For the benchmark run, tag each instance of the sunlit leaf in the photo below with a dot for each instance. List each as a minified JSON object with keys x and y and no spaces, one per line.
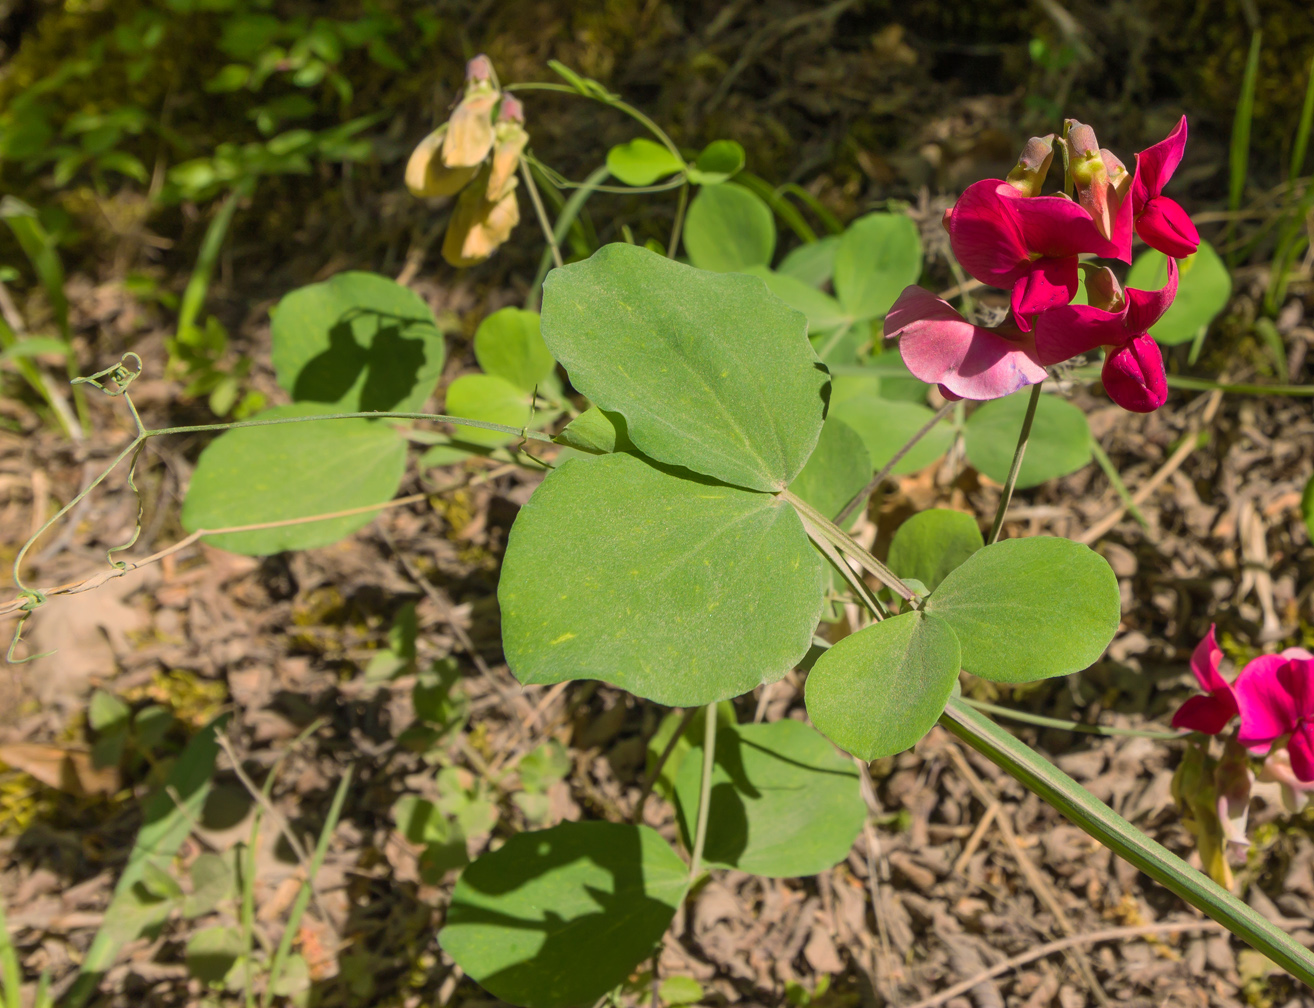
{"x":837,"y":470}
{"x":886,"y":426}
{"x":728,"y":229}
{"x":812,"y":262}
{"x":1059,"y":443}
{"x":508,"y":344}
{"x":878,"y":256}
{"x":932,"y":543}
{"x":719,"y":160}
{"x":617,"y":571}
{"x":1203,"y":289}
{"x":641,"y":162}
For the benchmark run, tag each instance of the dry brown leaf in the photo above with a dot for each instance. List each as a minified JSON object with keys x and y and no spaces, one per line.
{"x":67,"y":770}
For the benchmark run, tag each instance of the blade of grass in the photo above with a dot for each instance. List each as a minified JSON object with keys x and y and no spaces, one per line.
{"x":1303,"y":127}
{"x":1239,"y":156}
{"x":10,"y":972}
{"x":166,"y":824}
{"x":193,"y":299}
{"x":828,"y":220}
{"x":1101,"y":822}
{"x":1115,"y":480}
{"x":303,"y":895}
{"x":39,"y":247}
{"x":778,"y":204}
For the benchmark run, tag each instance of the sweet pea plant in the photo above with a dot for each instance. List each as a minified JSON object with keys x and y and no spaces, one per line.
{"x":692,"y":537}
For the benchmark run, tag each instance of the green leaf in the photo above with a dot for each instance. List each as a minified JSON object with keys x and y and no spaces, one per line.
{"x":211,"y":953}
{"x":822,"y":310}
{"x":641,"y":162}
{"x":680,"y":990}
{"x":508,"y":344}
{"x":106,"y":711}
{"x":159,"y":882}
{"x":837,"y":470}
{"x":1203,"y":290}
{"x":729,"y":229}
{"x":710,"y":371}
{"x":878,"y":256}
{"x":494,"y":400}
{"x":885,"y":426}
{"x":596,"y":432}
{"x":212,"y":880}
{"x":719,"y":160}
{"x":544,"y":766}
{"x":617,"y":571}
{"x":358,"y":341}
{"x":932,"y":543}
{"x":664,"y":784}
{"x":1059,"y":442}
{"x":784,"y":803}
{"x":1028,"y":609}
{"x":34,"y":347}
{"x":812,"y":262}
{"x":558,"y":917}
{"x":878,"y":691}
{"x":1307,"y":506}
{"x":250,"y":475}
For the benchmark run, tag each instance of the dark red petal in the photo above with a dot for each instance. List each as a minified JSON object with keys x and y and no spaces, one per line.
{"x":985,"y":234}
{"x":1045,"y":284}
{"x":1203,"y":714}
{"x":1133,"y":376}
{"x":1065,"y":332}
{"x":1164,"y":225}
{"x":1056,"y":227}
{"x":1144,"y":308}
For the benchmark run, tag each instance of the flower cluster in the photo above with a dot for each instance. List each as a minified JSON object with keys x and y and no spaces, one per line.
{"x":476,"y":154}
{"x":1273,"y":699}
{"x":1005,"y":233}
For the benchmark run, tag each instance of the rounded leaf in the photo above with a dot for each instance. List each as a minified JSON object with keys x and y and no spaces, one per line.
{"x":932,"y":543}
{"x":729,"y":229}
{"x":491,"y":399}
{"x":358,"y":341}
{"x":784,"y":803}
{"x":878,"y":691}
{"x":1028,"y":609}
{"x":508,"y":344}
{"x":812,"y":262}
{"x":710,"y":371}
{"x":717,"y":162}
{"x":885,"y":426}
{"x":557,"y":917}
{"x":878,"y":256}
{"x":1059,"y":443}
{"x":251,"y":475}
{"x":1203,"y":289}
{"x":822,"y":311}
{"x":641,"y":162}
{"x":679,"y":591}
{"x":838,"y":469}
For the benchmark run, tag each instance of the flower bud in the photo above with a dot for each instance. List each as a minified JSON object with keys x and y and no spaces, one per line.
{"x":426,"y":175}
{"x":470,"y":130}
{"x":508,"y":144}
{"x":1102,"y":288}
{"x":1028,"y":176}
{"x":479,"y":225}
{"x":1232,"y":780}
{"x":1090,"y":175}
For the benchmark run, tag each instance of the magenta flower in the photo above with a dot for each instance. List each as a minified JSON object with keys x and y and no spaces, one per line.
{"x":1133,"y":366}
{"x":1275,"y":697}
{"x":1209,"y":713}
{"x":967,"y":361}
{"x":1160,"y":221}
{"x":1028,"y":244}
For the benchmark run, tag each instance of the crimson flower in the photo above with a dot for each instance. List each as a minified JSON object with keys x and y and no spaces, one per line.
{"x":1027,"y":243}
{"x":967,"y":361}
{"x":1209,"y":713}
{"x":1160,"y":221}
{"x":1133,"y":372}
{"x":1275,"y":697}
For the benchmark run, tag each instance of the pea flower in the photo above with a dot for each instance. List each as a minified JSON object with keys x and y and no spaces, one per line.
{"x":448,"y":158}
{"x":1026,"y":244}
{"x":1133,"y":372}
{"x":1102,"y":185}
{"x":1209,"y":713}
{"x":1160,"y":221}
{"x":1275,"y":698}
{"x":967,"y":361}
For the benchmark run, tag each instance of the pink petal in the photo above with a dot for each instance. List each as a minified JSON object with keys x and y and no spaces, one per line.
{"x":1076,"y":329}
{"x":1155,"y":165}
{"x":1044,"y":284}
{"x":941,"y":347}
{"x":1204,"y":714}
{"x":1205,"y":660}
{"x":1165,"y":226}
{"x":1301,"y":748}
{"x":1144,"y":308}
{"x":1296,"y":652}
{"x":1133,"y":376}
{"x":1268,"y":710}
{"x":1298,"y":677}
{"x":1056,"y":227}
{"x":985,"y":234}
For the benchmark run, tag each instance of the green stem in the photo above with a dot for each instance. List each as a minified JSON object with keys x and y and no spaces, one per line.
{"x":704,"y":791}
{"x":537,"y":200}
{"x":886,"y":469}
{"x":678,"y":226}
{"x":615,"y":103}
{"x":1007,"y":496}
{"x":1124,"y":839}
{"x":435,"y":417}
{"x":1072,"y":726}
{"x":846,"y":542}
{"x":565,"y":221}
